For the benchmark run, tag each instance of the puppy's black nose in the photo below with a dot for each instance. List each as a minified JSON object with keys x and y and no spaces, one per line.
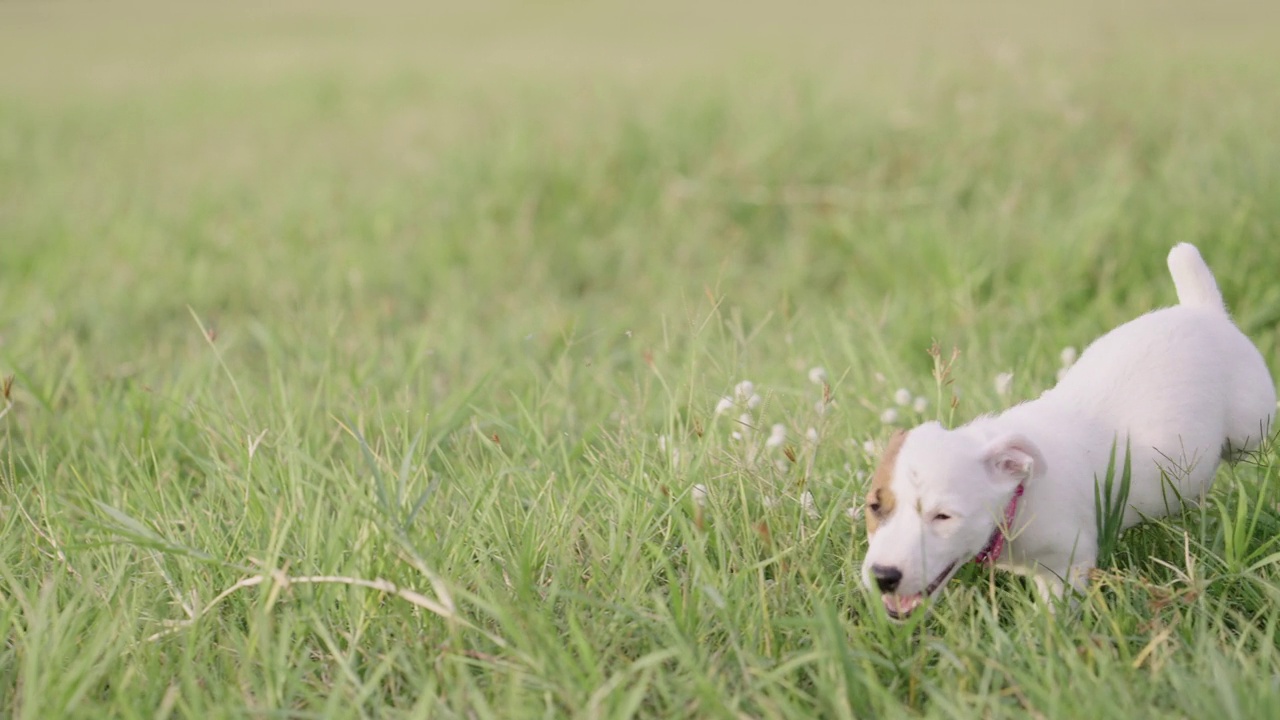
{"x":887,"y":578}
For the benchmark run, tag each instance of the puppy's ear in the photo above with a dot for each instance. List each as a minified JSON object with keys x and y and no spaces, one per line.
{"x":1013,"y":458}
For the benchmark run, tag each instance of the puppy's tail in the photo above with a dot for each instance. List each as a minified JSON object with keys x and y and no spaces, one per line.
{"x":1193,"y":279}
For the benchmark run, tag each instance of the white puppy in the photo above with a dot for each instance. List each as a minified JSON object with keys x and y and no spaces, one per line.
{"x":1181,"y":386}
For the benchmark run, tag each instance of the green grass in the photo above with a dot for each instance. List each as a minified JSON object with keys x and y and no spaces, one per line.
{"x":302,"y":297}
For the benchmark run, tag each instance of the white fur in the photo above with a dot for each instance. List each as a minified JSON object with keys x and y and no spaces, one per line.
{"x":1181,"y":385}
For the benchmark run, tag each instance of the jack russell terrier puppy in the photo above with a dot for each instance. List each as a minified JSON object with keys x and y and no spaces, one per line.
{"x":1180,"y":387}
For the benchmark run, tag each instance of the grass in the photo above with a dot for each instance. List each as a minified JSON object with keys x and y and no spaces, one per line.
{"x":365,"y":364}
{"x":1111,"y":501}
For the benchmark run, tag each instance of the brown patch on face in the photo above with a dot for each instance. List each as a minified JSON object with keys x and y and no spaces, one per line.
{"x":880,"y":500}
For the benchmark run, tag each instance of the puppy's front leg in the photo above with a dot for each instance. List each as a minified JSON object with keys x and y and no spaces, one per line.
{"x":1050,"y":588}
{"x":1052,"y":585}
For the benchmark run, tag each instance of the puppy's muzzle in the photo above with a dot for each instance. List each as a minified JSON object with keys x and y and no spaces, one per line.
{"x":886,"y":577}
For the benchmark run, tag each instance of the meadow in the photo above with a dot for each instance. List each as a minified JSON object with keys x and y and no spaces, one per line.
{"x":506,"y":360}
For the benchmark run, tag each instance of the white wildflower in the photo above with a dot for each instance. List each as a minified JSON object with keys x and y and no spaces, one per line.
{"x":1004,"y":382}
{"x":753,"y":402}
{"x":724,"y":406}
{"x":675,"y":452}
{"x":902,"y":397}
{"x":699,"y":495}
{"x":869,"y":447}
{"x":777,"y":436}
{"x":852,"y":512}
{"x":806,"y":502}
{"x":921,"y":404}
{"x":811,"y":435}
{"x":889,"y":416}
{"x":1068,"y":356}
{"x":817,"y":375}
{"x":1062,"y":372}
{"x":744,"y":390}
{"x":820,"y":407}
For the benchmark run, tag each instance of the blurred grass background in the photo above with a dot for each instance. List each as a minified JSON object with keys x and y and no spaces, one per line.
{"x":573,"y":227}
{"x":219,"y":151}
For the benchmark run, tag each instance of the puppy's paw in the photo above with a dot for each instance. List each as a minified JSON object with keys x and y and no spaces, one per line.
{"x":1054,"y":588}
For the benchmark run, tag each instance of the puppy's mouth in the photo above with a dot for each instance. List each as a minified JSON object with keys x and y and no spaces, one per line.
{"x":900,"y":607}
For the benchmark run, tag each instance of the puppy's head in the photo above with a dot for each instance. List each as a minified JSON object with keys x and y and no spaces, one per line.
{"x":935,"y":500}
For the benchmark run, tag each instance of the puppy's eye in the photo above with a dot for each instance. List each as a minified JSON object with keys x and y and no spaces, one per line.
{"x":874,"y":507}
{"x":939,"y":517}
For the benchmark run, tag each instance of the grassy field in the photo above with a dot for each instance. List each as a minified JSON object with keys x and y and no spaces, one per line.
{"x":366,"y":362}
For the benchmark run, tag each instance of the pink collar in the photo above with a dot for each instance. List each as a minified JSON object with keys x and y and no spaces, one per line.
{"x":991,"y":553}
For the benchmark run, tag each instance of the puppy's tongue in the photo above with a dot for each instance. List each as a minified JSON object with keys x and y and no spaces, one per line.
{"x":901,"y":605}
